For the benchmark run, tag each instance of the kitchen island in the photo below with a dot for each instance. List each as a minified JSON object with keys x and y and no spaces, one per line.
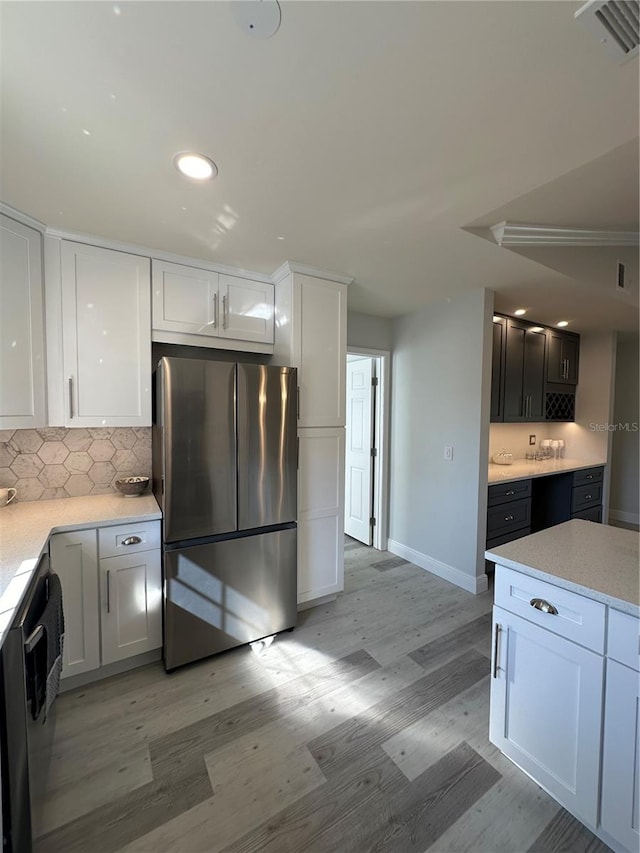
{"x":565,"y":661}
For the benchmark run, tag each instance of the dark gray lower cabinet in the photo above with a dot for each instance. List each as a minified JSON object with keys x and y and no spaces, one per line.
{"x":521,"y":507}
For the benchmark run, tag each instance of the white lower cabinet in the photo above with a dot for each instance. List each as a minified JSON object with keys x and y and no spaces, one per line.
{"x":546,"y":710}
{"x":112,"y":604}
{"x":565,"y":700}
{"x":320,"y":513}
{"x":74,"y":557}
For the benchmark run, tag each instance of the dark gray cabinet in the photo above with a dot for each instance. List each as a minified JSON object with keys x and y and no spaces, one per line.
{"x":524,"y":372}
{"x":562,"y":357}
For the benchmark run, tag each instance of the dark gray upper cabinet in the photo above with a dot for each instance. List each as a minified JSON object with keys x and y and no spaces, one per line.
{"x":524,"y":396}
{"x":497,"y":368}
{"x":562,"y":357}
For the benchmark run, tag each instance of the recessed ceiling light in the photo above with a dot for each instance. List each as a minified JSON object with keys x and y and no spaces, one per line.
{"x":520,"y":311}
{"x":279,"y":238}
{"x":562,"y":323}
{"x":195,"y":166}
{"x":535,"y":329}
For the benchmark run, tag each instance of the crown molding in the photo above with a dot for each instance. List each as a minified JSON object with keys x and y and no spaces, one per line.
{"x":289,"y":267}
{"x":24,"y":218}
{"x":519,"y":234}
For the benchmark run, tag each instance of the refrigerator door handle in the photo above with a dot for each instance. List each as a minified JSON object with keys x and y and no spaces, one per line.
{"x":298,"y":453}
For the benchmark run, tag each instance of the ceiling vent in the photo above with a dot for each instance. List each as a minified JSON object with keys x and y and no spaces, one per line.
{"x":616,"y":23}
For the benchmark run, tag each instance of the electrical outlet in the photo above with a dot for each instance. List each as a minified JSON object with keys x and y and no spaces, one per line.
{"x":448,"y":453}
{"x":532,"y":440}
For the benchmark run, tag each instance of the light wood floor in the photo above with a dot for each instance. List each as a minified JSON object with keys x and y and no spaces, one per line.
{"x":365,"y":729}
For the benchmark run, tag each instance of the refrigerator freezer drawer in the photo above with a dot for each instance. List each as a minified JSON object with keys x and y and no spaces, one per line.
{"x":228,"y":593}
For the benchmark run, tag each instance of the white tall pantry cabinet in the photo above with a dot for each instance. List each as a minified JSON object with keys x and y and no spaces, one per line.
{"x":311,"y":334}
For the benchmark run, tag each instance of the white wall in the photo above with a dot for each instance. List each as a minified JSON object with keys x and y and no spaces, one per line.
{"x":624,"y":450}
{"x":441,"y":388}
{"x":365,"y":330}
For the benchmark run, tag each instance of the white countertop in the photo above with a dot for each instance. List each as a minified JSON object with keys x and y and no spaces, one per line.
{"x":523,"y":469}
{"x":595,"y":560}
{"x":25,"y":529}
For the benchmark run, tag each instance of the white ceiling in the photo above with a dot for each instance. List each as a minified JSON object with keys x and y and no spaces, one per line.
{"x":368,"y":135}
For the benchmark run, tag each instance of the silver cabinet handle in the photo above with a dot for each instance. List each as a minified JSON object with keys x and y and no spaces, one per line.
{"x":544,"y":606}
{"x":33,"y":639}
{"x":71,"y":397}
{"x":225,"y":312}
{"x":132,"y":540}
{"x":108,"y":590}
{"x":510,"y":492}
{"x":588,"y":497}
{"x":508,"y":518}
{"x":496,"y":641}
{"x":588,"y":476}
{"x":215,"y":310}
{"x":298,"y":403}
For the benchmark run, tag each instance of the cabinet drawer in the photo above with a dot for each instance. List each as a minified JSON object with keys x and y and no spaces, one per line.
{"x":511,"y":536}
{"x":128,"y":538}
{"x":623,"y":638}
{"x":593,"y":513}
{"x":506,"y":492}
{"x":584,"y":496}
{"x":507,"y":517}
{"x":579,"y":619}
{"x":588,"y":475}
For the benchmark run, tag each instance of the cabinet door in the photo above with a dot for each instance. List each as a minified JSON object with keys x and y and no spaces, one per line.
{"x":106,"y":321}
{"x":131,"y":595}
{"x":524,"y":372}
{"x":546,"y":710}
{"x":185,"y":299}
{"x":22,"y":375}
{"x":621,"y":756}
{"x":323,"y":352}
{"x":247,"y":309}
{"x":320,"y":513}
{"x":562,"y":358}
{"x":497,"y":369}
{"x":74,"y":557}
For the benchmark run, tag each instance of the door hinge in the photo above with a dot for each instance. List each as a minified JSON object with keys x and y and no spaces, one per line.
{"x":374,"y":381}
{"x":374,"y":451}
{"x":372,"y":522}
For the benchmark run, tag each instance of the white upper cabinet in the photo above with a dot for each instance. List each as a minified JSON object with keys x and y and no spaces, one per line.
{"x":247,"y":309}
{"x":106,"y":320}
{"x":311,"y":322}
{"x":22,"y":367}
{"x":203,"y":308}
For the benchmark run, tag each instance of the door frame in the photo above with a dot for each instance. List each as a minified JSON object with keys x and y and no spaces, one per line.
{"x":381,"y":461}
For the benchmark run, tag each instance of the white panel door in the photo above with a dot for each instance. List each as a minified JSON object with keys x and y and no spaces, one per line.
{"x":320,"y":513}
{"x":131,"y":594}
{"x":22,"y":374}
{"x":358,"y":497}
{"x":106,"y":316}
{"x":185,"y":299}
{"x":247,"y":309}
{"x":546,"y":710}
{"x":74,"y":557}
{"x":621,"y":756}
{"x":323,"y":337}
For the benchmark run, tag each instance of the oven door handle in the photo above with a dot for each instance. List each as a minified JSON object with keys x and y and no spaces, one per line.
{"x":33,"y":639}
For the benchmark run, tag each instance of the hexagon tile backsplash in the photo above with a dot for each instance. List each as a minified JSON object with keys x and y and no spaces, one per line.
{"x":55,"y":462}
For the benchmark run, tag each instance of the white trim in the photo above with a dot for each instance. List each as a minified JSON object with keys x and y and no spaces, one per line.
{"x":627,"y":517}
{"x":315,"y":602}
{"x":161,"y":336}
{"x":442,"y":570}
{"x":381,"y":465}
{"x":519,"y":234}
{"x":155,"y":254}
{"x":24,"y":218}
{"x":289,"y":267}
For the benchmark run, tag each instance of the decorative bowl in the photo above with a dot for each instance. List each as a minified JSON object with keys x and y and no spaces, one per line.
{"x":132,"y":487}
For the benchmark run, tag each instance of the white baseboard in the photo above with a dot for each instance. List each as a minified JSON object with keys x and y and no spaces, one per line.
{"x":436,"y":567}
{"x":627,"y":517}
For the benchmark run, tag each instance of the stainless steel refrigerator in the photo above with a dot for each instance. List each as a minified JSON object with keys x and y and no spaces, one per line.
{"x":224,"y":475}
